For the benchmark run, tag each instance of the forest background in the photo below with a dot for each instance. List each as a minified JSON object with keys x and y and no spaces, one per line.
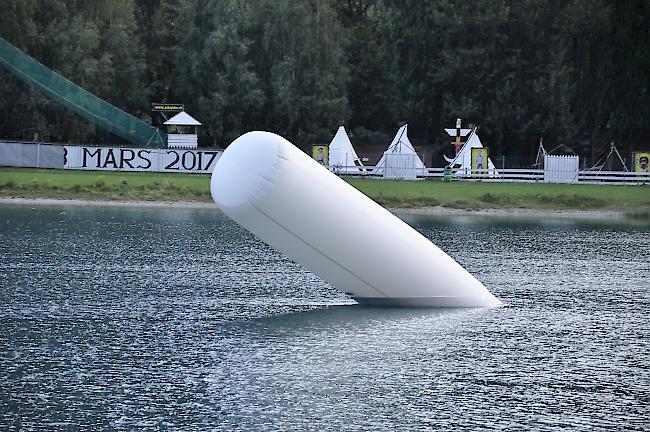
{"x":573,"y":72}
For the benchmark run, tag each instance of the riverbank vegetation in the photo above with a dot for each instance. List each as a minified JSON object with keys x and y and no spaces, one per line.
{"x":478,"y":195}
{"x":33,"y":183}
{"x":569,"y":71}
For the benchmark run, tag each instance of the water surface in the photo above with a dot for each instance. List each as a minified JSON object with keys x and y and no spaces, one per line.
{"x":140,"y":318}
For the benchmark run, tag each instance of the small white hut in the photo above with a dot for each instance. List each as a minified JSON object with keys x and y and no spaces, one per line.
{"x":182,"y":131}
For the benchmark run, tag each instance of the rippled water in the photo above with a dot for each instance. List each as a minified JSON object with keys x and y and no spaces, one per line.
{"x":136,"y":318}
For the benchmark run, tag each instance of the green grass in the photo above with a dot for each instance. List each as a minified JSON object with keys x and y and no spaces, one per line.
{"x":31,"y":183}
{"x":480,"y":195}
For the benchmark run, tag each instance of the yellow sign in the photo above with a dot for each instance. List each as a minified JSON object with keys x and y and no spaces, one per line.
{"x":320,"y":153}
{"x":641,"y":162}
{"x":167,"y":107}
{"x":479,"y":159}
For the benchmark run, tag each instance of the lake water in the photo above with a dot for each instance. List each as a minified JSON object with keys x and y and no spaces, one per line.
{"x":142,"y":318}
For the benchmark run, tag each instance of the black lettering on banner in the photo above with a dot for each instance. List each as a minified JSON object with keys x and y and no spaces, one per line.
{"x":212,"y":156}
{"x":184,"y":160}
{"x":86,"y":152}
{"x":171,"y":166}
{"x":142,"y":154}
{"x":110,"y":159}
{"x":126,"y":160}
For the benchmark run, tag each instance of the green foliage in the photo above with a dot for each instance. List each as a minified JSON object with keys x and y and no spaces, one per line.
{"x":502,"y":65}
{"x":160,"y":30}
{"x":262,"y":64}
{"x":302,"y":65}
{"x":214,"y":73}
{"x":567,"y":71}
{"x":371,"y":86}
{"x":94,"y":44}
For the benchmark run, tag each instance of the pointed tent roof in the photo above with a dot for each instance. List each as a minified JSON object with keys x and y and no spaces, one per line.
{"x":183,"y":119}
{"x":464,"y":156}
{"x":400,"y":145}
{"x":342,"y":157}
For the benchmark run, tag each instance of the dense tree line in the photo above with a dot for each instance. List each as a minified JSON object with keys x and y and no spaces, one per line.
{"x":568,"y":71}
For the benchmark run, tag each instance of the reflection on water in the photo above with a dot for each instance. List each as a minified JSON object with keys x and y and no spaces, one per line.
{"x":132,"y":318}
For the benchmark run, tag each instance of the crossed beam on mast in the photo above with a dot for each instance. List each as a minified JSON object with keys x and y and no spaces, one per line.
{"x":458,"y":133}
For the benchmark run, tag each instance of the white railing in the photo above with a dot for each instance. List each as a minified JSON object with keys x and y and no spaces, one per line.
{"x":516,"y":175}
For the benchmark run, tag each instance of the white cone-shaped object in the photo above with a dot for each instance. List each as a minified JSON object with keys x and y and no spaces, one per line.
{"x":401,"y":158}
{"x":297,"y":206}
{"x":343,"y":158}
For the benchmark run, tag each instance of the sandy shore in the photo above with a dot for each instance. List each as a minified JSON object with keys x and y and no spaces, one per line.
{"x":516,"y":212}
{"x":107,"y":203}
{"x":437,"y":210}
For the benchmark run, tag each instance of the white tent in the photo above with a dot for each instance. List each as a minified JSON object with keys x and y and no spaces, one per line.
{"x":463,"y":160}
{"x":400,"y":159}
{"x":342,"y":157}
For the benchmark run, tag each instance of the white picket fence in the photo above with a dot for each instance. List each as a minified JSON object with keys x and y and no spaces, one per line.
{"x":520,"y":175}
{"x":561,"y":169}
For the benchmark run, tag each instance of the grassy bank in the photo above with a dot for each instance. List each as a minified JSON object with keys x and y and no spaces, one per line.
{"x":32,"y":183}
{"x":37,"y":183}
{"x":476,"y":195}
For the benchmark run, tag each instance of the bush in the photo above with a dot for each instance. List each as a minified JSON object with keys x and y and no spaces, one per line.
{"x":460,"y":203}
{"x":496,"y":199}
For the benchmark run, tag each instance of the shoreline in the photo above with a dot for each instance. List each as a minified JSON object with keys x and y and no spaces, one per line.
{"x":434,"y":210}
{"x":515,"y":212}
{"x":105,"y":203}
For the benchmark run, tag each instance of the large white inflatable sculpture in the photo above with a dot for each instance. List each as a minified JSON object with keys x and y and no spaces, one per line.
{"x":297,"y":206}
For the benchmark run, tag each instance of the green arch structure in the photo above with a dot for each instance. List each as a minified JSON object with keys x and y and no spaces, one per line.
{"x":79,"y":100}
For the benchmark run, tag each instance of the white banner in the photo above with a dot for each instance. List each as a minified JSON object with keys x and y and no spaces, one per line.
{"x":139,"y":159}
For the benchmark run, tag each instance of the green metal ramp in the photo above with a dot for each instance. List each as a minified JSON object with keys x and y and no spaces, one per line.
{"x":77,"y":99}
